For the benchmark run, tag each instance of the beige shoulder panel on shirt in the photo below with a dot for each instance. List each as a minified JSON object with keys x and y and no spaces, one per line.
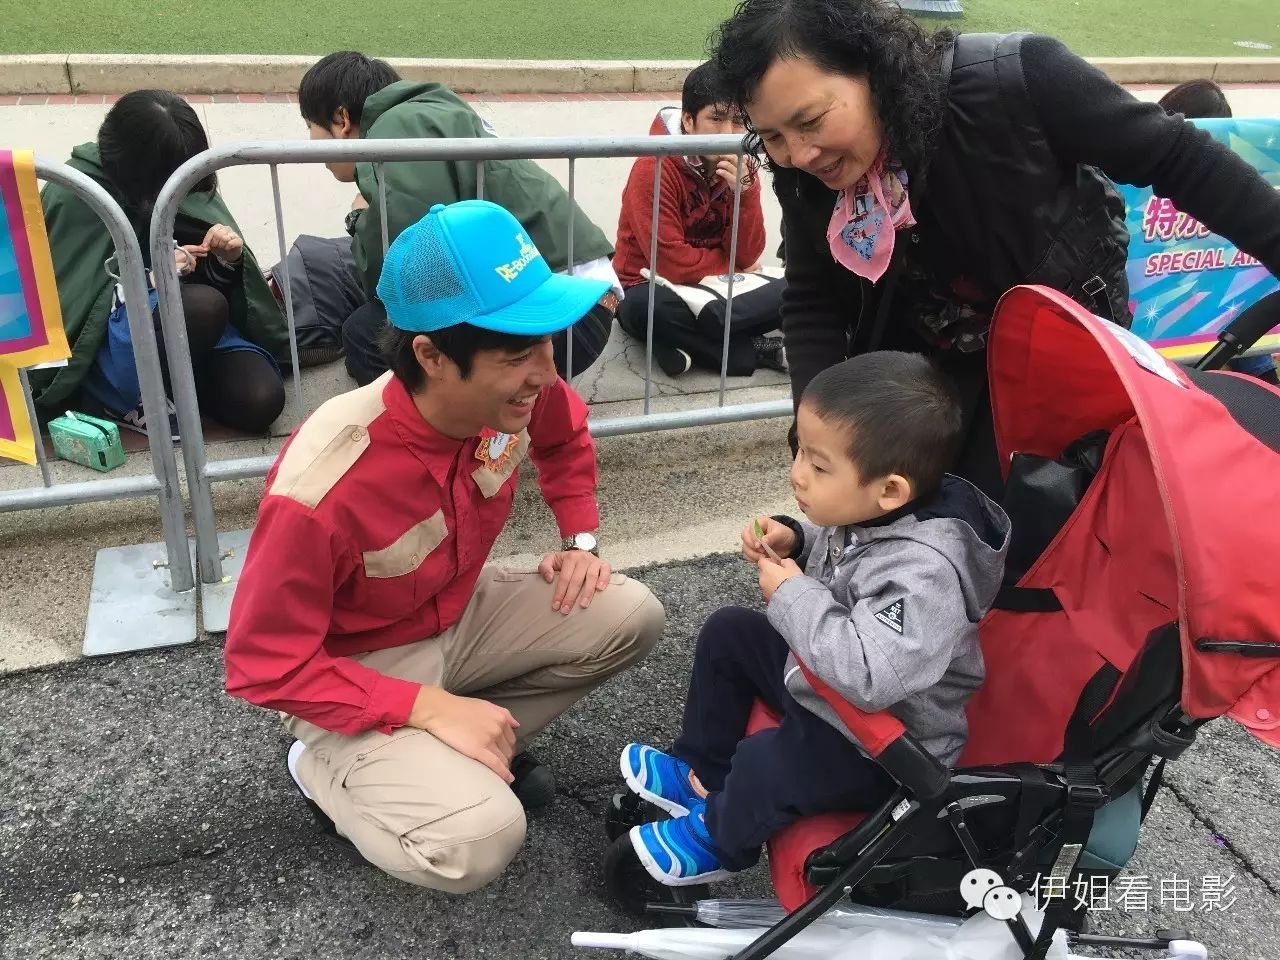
{"x":328,"y":444}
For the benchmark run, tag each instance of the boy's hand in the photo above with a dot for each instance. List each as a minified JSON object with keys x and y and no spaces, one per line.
{"x":581,"y":576}
{"x":773,"y":574}
{"x":780,"y":537}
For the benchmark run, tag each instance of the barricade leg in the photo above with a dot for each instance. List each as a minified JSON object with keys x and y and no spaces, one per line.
{"x":142,"y":596}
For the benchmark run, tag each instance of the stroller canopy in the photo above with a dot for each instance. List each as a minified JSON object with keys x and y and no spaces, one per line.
{"x":1181,"y":524}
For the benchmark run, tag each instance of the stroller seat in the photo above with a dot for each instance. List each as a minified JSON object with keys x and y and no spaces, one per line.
{"x":1142,"y":615}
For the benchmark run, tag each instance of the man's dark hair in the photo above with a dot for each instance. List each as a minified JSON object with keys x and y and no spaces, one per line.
{"x":1196,"y":98}
{"x":145,"y":137}
{"x":703,"y":87}
{"x":901,"y":413}
{"x":343,"y":79}
{"x":459,"y":343}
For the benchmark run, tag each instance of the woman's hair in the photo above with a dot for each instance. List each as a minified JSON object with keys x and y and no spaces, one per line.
{"x":1196,"y":98}
{"x":146,"y":136}
{"x":857,"y":38}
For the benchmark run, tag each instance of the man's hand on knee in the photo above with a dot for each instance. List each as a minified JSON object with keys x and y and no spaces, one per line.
{"x":475,"y":728}
{"x":581,"y":576}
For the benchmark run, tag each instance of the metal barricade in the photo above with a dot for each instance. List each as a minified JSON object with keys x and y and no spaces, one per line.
{"x":142,"y":596}
{"x":216,"y":588}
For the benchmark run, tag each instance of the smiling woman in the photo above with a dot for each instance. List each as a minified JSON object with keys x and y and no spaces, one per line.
{"x":922,"y":176}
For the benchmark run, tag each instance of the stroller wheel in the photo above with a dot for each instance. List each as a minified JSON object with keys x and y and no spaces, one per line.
{"x":623,"y":811}
{"x":632,"y":889}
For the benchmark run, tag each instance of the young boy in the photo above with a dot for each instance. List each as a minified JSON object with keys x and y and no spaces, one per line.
{"x":879,"y":595}
{"x":695,"y":219}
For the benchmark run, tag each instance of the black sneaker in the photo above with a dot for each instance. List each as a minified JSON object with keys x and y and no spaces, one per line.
{"x":671,"y":360}
{"x":323,"y":820}
{"x":534,"y":784}
{"x":136,"y":419}
{"x":770,"y":353}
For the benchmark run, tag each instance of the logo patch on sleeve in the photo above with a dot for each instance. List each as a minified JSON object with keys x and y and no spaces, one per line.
{"x":891,"y":616}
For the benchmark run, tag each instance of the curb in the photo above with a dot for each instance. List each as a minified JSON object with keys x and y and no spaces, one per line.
{"x":60,"y":74}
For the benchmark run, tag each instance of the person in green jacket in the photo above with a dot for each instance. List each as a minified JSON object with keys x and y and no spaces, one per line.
{"x":235,"y":327}
{"x":348,"y":96}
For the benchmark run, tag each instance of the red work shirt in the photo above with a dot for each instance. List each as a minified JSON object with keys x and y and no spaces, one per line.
{"x":372,"y":534}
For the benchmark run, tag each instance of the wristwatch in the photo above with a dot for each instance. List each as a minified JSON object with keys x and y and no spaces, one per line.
{"x":351,"y":219}
{"x":582,"y":541}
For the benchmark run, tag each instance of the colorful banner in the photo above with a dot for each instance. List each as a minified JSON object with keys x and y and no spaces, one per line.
{"x":17,"y":436}
{"x":31,"y":329}
{"x":1185,"y":283}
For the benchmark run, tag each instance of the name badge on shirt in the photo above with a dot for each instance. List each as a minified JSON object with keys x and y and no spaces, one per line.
{"x":494,"y":449}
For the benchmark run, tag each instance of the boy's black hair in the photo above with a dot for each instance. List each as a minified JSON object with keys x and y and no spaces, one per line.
{"x":145,"y":137}
{"x":901,"y":413}
{"x":1196,"y":98}
{"x":703,"y":87}
{"x":342,"y":79}
{"x":459,"y":343}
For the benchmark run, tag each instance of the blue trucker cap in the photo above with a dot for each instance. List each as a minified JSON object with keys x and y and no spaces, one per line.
{"x":473,"y":262}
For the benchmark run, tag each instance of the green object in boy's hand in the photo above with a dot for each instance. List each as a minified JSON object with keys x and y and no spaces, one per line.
{"x":759,"y":529}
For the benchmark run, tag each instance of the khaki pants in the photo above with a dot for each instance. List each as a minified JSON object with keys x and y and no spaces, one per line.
{"x":419,"y":810}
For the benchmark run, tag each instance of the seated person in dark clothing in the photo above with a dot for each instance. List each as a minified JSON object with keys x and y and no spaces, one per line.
{"x":348,"y":96}
{"x":695,"y":218}
{"x":236,"y":332}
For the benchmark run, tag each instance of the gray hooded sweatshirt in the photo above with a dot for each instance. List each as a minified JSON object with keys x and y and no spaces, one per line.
{"x":887,"y":613}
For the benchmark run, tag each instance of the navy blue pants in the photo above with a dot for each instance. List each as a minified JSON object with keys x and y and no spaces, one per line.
{"x":767,"y":781}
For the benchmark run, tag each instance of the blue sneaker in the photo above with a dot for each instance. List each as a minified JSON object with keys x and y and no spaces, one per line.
{"x":659,"y":778}
{"x":678,"y":852}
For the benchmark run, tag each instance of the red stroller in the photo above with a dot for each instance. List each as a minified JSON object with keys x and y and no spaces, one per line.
{"x":1135,"y":610}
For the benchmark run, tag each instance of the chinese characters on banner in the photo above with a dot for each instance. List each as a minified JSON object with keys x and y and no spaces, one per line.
{"x":30,"y":319}
{"x":1138,"y":894}
{"x":1185,"y":283}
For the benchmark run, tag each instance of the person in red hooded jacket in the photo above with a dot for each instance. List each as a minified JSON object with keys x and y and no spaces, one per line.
{"x":695,"y":222}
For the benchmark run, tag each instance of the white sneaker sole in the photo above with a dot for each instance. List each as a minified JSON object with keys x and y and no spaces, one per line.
{"x":651,"y":866}
{"x":295,"y":752}
{"x":662,"y":803}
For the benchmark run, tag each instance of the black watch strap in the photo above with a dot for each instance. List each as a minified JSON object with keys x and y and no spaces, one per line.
{"x":795,"y":527}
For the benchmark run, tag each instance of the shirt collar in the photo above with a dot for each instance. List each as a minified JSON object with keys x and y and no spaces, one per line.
{"x":436,"y":451}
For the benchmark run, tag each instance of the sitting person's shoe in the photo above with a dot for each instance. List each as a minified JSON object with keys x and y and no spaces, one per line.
{"x":659,"y":778}
{"x":323,"y":820}
{"x":671,"y":360}
{"x":136,"y":419}
{"x":534,"y":784}
{"x":770,"y":353}
{"x":678,"y":852}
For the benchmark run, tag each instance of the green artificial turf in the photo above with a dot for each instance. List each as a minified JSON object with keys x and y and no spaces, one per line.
{"x":579,"y":29}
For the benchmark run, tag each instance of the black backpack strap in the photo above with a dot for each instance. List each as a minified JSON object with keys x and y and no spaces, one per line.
{"x":918,"y":188}
{"x":1084,"y":797}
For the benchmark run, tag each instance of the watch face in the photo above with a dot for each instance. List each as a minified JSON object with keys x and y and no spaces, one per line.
{"x":585,"y":541}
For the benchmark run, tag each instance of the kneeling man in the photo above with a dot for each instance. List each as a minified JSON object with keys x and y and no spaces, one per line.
{"x":412,"y":674}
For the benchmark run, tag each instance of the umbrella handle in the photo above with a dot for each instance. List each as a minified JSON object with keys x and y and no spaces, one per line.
{"x":602,"y":941}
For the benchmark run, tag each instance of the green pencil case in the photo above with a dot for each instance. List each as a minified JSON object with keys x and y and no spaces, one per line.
{"x":86,"y":440}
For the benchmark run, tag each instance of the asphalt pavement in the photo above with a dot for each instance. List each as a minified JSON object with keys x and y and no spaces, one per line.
{"x":143,"y":813}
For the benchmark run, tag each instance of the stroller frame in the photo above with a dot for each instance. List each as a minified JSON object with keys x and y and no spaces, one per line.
{"x":933,"y":823}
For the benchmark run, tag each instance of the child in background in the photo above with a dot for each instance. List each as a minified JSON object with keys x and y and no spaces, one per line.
{"x":879,"y":595}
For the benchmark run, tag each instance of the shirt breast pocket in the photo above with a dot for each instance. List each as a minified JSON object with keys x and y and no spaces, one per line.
{"x":395,"y":580}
